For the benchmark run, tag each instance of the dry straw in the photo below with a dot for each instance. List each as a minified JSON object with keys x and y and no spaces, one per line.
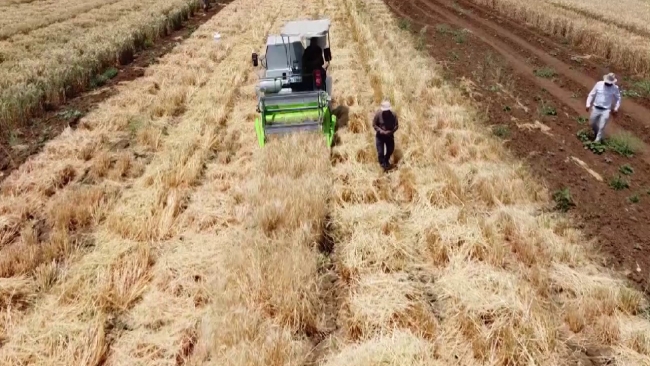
{"x":194,"y":246}
{"x":452,"y":249}
{"x":43,"y":58}
{"x":181,"y":298}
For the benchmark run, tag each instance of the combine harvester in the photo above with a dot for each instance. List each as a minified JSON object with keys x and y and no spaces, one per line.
{"x":289,"y":100}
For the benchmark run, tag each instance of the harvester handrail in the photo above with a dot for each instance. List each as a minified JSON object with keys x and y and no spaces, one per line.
{"x":293,"y":109}
{"x":296,"y":96}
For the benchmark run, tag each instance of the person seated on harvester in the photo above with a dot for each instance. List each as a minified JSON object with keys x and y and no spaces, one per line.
{"x":312,"y":59}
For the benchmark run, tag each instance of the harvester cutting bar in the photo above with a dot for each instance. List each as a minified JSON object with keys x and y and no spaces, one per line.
{"x":293,"y":109}
{"x":281,"y":129}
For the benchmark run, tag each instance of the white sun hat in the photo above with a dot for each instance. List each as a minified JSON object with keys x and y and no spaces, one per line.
{"x":610,"y":78}
{"x":385,"y":105}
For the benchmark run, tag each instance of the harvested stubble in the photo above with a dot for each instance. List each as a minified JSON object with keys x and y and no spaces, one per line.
{"x":116,"y":141}
{"x":449,"y":259}
{"x":42,"y":62}
{"x":82,"y":162}
{"x":182,"y":300}
{"x":622,"y":39}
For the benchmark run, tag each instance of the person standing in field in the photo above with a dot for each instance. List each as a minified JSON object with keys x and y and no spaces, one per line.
{"x":385,"y":124}
{"x":603,"y":95}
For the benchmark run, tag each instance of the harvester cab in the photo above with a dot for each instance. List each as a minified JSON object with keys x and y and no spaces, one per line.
{"x":290,"y":99}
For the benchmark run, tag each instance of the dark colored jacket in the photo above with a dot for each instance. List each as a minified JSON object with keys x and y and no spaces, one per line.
{"x":379,"y":123}
{"x":312,"y":58}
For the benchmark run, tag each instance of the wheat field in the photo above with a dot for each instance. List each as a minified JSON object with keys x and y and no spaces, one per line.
{"x":50,"y":49}
{"x":617,"y":31}
{"x":159,"y":233}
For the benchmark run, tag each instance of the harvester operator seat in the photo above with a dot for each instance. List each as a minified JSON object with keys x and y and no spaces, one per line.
{"x":312,"y":60}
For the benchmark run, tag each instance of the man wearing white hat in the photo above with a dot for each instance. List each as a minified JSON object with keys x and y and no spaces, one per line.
{"x":603,"y":95}
{"x":385,"y":124}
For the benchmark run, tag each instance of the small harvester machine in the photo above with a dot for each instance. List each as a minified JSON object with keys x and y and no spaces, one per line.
{"x":290,"y":100}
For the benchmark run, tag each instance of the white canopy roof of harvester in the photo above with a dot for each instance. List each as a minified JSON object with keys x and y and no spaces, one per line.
{"x":273,"y":40}
{"x":306,"y":28}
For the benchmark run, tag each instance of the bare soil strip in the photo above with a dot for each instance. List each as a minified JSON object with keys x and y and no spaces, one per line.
{"x":503,"y":81}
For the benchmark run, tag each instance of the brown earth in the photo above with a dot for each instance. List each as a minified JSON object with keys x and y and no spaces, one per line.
{"x":18,"y":145}
{"x":495,"y":61}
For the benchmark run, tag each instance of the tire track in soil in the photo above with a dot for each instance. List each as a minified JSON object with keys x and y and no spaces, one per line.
{"x":604,"y":213}
{"x":518,"y":62}
{"x":52,"y":122}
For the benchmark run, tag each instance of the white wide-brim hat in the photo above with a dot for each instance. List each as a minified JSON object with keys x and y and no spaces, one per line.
{"x":385,"y":105}
{"x":610,"y":78}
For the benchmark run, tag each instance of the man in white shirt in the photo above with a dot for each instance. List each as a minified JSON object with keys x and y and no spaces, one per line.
{"x":603,"y":95}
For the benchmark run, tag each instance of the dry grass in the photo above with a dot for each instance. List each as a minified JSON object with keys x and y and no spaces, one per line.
{"x":202,"y":249}
{"x":452,"y":249}
{"x":53,"y":203}
{"x":621,"y":39}
{"x":49,"y":49}
{"x":142,"y":295}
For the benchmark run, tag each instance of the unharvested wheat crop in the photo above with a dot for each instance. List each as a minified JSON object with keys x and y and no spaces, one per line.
{"x":158,"y":233}
{"x":617,"y":31}
{"x":49,"y":49}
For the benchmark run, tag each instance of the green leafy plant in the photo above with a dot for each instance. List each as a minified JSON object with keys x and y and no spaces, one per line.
{"x":547,"y":110}
{"x":583,"y":135}
{"x":501,"y":131}
{"x":404,"y":24}
{"x":70,"y":114}
{"x":624,"y":143}
{"x":595,"y":147}
{"x":459,"y":36}
{"x":644,"y":86}
{"x":563,"y":200}
{"x":634,"y":198}
{"x":626,"y":169}
{"x":630,"y":93}
{"x":101,"y":79}
{"x":581,"y":120}
{"x":618,"y":183}
{"x":443,"y":28}
{"x":545,"y":72}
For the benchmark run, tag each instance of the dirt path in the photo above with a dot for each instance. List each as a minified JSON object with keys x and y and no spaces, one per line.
{"x":18,"y":145}
{"x":498,"y":64}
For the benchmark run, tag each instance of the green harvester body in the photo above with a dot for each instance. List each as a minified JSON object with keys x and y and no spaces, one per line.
{"x":295,"y":116}
{"x":289,"y":100}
